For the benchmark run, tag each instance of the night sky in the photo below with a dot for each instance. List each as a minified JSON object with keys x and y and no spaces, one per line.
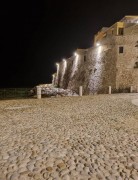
{"x":37,"y":34}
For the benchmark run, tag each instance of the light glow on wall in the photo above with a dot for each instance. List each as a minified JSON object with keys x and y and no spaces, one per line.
{"x":65,"y":63}
{"x":76,"y":59}
{"x":75,"y":64}
{"x":95,"y":79}
{"x":53,"y":79}
{"x":99,"y":49}
{"x":64,"y":69}
{"x":98,"y":67}
{"x":57,"y":64}
{"x":97,"y":44}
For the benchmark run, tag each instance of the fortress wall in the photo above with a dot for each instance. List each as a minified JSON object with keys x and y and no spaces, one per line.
{"x":127,"y":75}
{"x":59,"y":81}
{"x":101,"y":66}
{"x":131,"y":29}
{"x":78,"y":72}
{"x":94,"y":69}
{"x":68,"y":72}
{"x":74,"y":76}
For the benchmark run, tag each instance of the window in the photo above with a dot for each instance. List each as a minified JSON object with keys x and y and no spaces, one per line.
{"x":120,"y":31}
{"x":84,"y":58}
{"x":121,"y":49}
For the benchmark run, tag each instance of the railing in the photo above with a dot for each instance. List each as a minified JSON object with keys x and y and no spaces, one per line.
{"x":14,"y":93}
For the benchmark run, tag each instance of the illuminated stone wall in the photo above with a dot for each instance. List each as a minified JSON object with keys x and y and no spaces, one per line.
{"x":102,"y":66}
{"x":127,"y":75}
{"x":90,"y":70}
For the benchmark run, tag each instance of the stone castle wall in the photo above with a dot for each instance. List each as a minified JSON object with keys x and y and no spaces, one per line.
{"x":127,"y":75}
{"x":94,"y":69}
{"x":102,"y":66}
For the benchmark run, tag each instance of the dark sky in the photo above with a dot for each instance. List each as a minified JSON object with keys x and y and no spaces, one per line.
{"x":36,"y":34}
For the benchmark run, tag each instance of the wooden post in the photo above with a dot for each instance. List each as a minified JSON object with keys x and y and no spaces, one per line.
{"x":110,"y":90}
{"x":80,"y":91}
{"x":38,"y":92}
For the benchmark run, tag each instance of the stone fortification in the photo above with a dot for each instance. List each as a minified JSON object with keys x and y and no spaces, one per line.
{"x":112,"y":61}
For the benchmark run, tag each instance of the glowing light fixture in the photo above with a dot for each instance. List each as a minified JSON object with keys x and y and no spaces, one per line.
{"x":97,"y":44}
{"x":57,"y":64}
{"x":64,"y":60}
{"x":75,"y":64}
{"x":75,"y":54}
{"x":65,"y":63}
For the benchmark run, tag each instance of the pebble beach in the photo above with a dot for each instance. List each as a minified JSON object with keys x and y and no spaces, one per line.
{"x":69,"y":138}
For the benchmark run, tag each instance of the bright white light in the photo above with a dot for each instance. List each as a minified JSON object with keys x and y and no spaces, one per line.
{"x":75,"y":64}
{"x":64,"y":69}
{"x":57,"y":64}
{"x":53,"y":79}
{"x":65,"y":63}
{"x":99,"y":50}
{"x":76,"y":58}
{"x":97,"y":44}
{"x":57,"y":75}
{"x":76,"y":54}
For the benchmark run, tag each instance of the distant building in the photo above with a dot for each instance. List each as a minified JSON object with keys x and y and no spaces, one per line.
{"x":112,"y":61}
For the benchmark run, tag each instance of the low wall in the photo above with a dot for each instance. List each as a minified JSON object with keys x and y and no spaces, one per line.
{"x":13,"y":93}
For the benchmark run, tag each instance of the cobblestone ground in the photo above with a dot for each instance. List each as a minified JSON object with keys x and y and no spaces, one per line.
{"x":69,"y":138}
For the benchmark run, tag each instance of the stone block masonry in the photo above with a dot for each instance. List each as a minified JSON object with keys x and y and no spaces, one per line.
{"x":110,"y":62}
